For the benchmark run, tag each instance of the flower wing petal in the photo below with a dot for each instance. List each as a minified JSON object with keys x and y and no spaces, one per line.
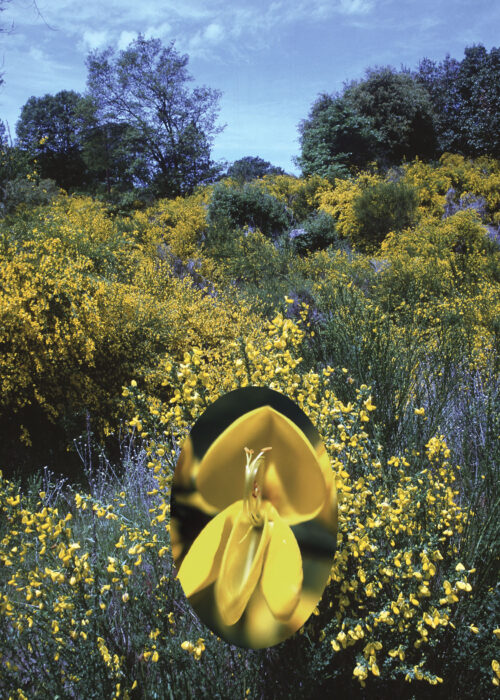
{"x":294,"y":481}
{"x":202,"y":563}
{"x":241,"y":567}
{"x":282,"y":573}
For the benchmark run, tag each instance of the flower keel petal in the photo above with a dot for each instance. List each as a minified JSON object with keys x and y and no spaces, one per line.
{"x":241,"y":567}
{"x":282,"y":573}
{"x":202,"y":563}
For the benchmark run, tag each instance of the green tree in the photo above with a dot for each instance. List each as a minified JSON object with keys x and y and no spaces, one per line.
{"x":50,"y":130}
{"x":112,"y":151}
{"x":441,"y":83}
{"x":233,"y":208}
{"x":400,"y":112}
{"x":385,"y":118}
{"x":479,"y":83}
{"x":252,"y":167}
{"x":14,"y":162}
{"x":146,"y":87}
{"x":465,"y":96}
{"x":335,"y":138}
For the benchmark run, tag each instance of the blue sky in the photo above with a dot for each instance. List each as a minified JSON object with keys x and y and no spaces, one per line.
{"x":269,"y":59}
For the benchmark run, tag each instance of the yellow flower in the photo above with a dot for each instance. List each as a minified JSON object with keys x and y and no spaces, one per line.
{"x":250,"y":540}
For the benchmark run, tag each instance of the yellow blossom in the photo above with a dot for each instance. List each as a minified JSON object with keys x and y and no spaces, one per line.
{"x":250,"y":540}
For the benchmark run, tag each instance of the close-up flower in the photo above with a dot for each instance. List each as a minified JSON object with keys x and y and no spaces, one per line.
{"x":264,"y":476}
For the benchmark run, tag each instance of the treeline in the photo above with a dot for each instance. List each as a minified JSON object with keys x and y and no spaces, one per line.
{"x":141,"y":132}
{"x":390,"y":116}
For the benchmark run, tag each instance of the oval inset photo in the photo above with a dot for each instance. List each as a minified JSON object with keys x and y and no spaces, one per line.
{"x":253,"y":517}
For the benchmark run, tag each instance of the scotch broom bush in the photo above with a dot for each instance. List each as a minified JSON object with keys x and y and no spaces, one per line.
{"x":394,"y":358}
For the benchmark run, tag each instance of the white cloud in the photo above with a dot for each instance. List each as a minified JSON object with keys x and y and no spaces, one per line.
{"x":158,"y":31}
{"x":214,"y":33}
{"x":37,"y":55}
{"x":190,"y":21}
{"x":355,"y":7}
{"x":125,"y":39}
{"x":204,"y":40}
{"x":95,"y":39}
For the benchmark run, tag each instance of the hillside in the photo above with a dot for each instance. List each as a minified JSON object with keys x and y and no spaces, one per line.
{"x":370,"y":301}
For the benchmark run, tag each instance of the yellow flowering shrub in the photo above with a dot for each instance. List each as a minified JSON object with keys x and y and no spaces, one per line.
{"x":85,"y":306}
{"x":177,"y":223}
{"x":131,"y":318}
{"x":479,"y":177}
{"x":438,"y":258}
{"x":339,"y":202}
{"x":300,"y":195}
{"x":48,"y":304}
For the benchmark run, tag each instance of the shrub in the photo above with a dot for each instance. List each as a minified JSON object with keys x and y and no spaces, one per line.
{"x":28,"y":193}
{"x":233,"y":208}
{"x":380,"y":209}
{"x":319,"y":231}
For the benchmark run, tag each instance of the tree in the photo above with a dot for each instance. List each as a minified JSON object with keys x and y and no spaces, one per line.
{"x":232,"y":208}
{"x":112,"y":151}
{"x":50,"y":130}
{"x":14,"y":162}
{"x":479,"y":84}
{"x":442,"y":85}
{"x":400,"y":112}
{"x":145,"y":86}
{"x":335,"y":138}
{"x":252,"y":167}
{"x":465,"y":97}
{"x":385,"y":118}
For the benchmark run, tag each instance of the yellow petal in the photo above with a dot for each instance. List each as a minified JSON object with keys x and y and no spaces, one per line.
{"x":262,"y":629}
{"x":282,"y":575}
{"x":202,"y":563}
{"x":293,"y":481}
{"x":241,"y":567}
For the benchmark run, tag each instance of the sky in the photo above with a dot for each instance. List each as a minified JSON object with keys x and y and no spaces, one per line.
{"x":270,"y":60}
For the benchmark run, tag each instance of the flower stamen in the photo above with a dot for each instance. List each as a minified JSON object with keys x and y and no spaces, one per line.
{"x":254,"y":477}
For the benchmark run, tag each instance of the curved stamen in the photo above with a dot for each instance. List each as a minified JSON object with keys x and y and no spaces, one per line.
{"x":254,"y":481}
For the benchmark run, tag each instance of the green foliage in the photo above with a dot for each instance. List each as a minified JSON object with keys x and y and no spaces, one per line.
{"x":113,"y":152}
{"x":145,"y":88}
{"x":400,"y":113}
{"x":251,"y":168}
{"x":334,"y":139}
{"x":27,"y":192}
{"x":318,"y":231}
{"x":237,"y":207}
{"x":465,"y":96}
{"x":50,"y":130}
{"x":14,"y":163}
{"x":392,"y":116}
{"x":385,"y":118}
{"x":380,"y":209}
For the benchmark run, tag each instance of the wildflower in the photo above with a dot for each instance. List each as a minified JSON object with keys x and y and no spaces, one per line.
{"x":250,"y":540}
